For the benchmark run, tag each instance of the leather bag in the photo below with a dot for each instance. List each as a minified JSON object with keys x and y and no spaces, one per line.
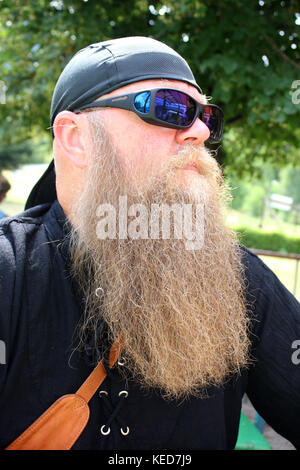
{"x":59,"y":427}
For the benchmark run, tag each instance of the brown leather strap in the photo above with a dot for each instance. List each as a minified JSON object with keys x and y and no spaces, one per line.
{"x":59,"y":427}
{"x":96,"y":377}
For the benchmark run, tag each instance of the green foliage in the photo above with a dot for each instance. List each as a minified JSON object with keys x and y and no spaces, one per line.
{"x":254,"y":200}
{"x":271,"y":241}
{"x":291,"y":183}
{"x":241,"y":54}
{"x":248,"y":192}
{"x":12,"y":156}
{"x":248,"y":195}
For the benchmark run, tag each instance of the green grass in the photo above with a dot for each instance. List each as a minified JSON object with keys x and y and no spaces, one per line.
{"x":238,"y":219}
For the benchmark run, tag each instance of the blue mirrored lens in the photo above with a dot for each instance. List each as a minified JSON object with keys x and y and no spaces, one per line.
{"x":174,"y":107}
{"x":142,"y":102}
{"x":212,"y":118}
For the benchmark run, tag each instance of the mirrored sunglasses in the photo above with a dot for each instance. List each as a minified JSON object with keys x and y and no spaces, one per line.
{"x":168,"y":108}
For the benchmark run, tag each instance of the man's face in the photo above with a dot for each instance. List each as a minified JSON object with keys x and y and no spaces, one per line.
{"x":145,"y":148}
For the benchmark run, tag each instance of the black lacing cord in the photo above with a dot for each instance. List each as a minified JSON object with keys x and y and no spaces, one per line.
{"x":109,"y":408}
{"x":112,"y":411}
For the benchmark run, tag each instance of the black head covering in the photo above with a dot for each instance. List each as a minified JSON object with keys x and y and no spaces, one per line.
{"x":101,"y":68}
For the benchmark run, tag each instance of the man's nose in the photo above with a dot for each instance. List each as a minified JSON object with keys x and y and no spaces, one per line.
{"x":197,"y":134}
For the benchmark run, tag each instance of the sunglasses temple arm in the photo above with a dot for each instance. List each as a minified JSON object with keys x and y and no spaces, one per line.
{"x":121,"y":102}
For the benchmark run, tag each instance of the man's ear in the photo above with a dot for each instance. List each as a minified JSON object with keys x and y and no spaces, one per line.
{"x":69,"y":129}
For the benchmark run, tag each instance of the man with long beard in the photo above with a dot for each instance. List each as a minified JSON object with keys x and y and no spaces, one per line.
{"x":200,"y":319}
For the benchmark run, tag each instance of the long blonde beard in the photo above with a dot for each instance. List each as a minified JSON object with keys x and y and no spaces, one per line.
{"x":181,"y":314}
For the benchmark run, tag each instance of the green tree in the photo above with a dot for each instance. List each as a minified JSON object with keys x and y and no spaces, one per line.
{"x":290,"y":183}
{"x":243,"y":54}
{"x":14,"y":155}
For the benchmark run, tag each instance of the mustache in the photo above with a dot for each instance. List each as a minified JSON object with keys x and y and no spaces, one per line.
{"x":165,"y":175}
{"x":199,"y":157}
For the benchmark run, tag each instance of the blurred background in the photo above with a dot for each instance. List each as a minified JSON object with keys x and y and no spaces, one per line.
{"x":244,"y":55}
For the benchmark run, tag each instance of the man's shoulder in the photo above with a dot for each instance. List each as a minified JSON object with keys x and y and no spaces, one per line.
{"x":265,"y":291}
{"x":26,"y":219}
{"x":255,"y":268}
{"x":21,"y":232}
{"x":27,"y":244}
{"x":259,"y":278}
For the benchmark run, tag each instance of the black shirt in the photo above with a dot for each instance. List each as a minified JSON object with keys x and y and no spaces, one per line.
{"x":39,"y":312}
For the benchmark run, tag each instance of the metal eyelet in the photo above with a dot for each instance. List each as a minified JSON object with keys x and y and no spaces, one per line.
{"x":105,"y":433}
{"x":99,"y":291}
{"x":121,"y":362}
{"x":103,"y":392}
{"x":125,"y":433}
{"x":123,"y":392}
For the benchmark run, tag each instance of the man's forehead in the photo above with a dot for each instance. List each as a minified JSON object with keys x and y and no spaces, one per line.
{"x":156,"y":83}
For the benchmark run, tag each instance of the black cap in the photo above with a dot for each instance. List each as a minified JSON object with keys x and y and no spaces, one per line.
{"x":101,"y":68}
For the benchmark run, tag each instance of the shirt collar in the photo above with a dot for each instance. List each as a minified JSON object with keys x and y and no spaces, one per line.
{"x":58,"y":226}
